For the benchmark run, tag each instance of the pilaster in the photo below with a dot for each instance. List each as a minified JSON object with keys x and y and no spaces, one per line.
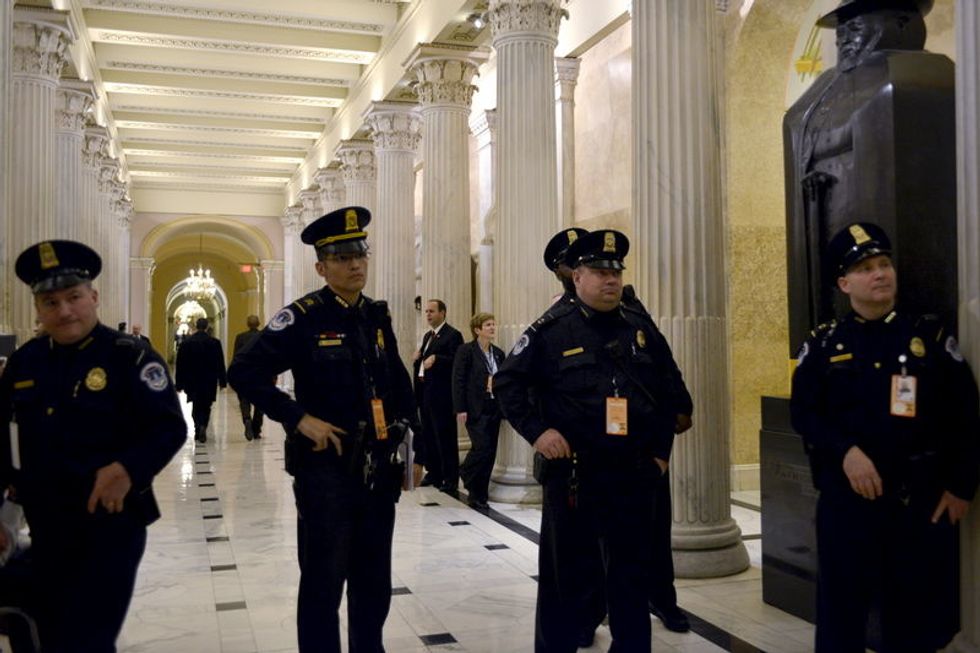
{"x":93,"y":151}
{"x":6,"y":284}
{"x":679,"y":245}
{"x":73,"y":100}
{"x":483,"y":126}
{"x":566,"y":78}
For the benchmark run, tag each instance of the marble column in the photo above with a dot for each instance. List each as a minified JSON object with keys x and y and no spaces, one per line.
{"x":114,"y":304}
{"x":292,"y":253}
{"x":679,"y":249}
{"x":72,"y":101}
{"x":124,"y":223}
{"x":96,"y":139}
{"x":396,"y":131}
{"x":525,"y":33}
{"x":272,"y":287}
{"x":968,"y":238}
{"x":309,"y":199}
{"x":141,"y":296}
{"x":332,"y":193}
{"x":360,"y":174}
{"x":483,"y":126}
{"x":41,"y":38}
{"x":445,"y":89}
{"x":6,"y":32}
{"x":566,"y":78}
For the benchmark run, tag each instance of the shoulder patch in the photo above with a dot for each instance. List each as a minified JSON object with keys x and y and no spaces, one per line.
{"x":154,"y":376}
{"x":521,"y":344}
{"x":282,"y":319}
{"x":553,"y":313}
{"x":953,"y":349}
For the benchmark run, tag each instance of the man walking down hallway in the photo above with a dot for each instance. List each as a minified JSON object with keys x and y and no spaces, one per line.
{"x":200,"y":367}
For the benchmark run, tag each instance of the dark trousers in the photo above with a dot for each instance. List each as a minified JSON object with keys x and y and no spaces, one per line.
{"x":887,"y":554}
{"x":343,"y":535}
{"x":478,"y":464}
{"x":662,"y":591}
{"x":610,"y":513}
{"x":250,"y":414}
{"x":200,"y":412}
{"x":85,"y":570}
{"x":441,"y":443}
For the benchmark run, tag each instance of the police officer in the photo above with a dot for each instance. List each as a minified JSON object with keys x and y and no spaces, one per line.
{"x":353,"y":397}
{"x":554,"y":259}
{"x":603,"y":420}
{"x":888,"y":411}
{"x":91,"y":417}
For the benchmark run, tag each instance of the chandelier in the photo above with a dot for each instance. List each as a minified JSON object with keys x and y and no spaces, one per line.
{"x":199,"y":284}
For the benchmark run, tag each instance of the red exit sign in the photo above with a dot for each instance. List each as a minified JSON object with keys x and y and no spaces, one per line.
{"x":246,"y":268}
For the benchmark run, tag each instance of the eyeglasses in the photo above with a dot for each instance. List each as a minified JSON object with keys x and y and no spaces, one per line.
{"x":347,"y":259}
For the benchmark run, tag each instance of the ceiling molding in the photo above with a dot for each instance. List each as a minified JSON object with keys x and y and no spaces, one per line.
{"x":166,"y":126}
{"x":141,"y":89}
{"x":229,"y":16}
{"x":148,"y":184}
{"x":272,"y":117}
{"x":190,"y":154}
{"x":234,"y":74}
{"x":194,"y":168}
{"x":191,"y":176}
{"x":181,"y":141}
{"x":260,"y":49}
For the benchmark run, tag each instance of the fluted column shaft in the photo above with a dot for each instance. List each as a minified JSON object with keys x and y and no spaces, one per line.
{"x":114,"y":304}
{"x":40,"y":49}
{"x":445,"y":92}
{"x":96,"y":138}
{"x":968,"y":238}
{"x":272,"y":286}
{"x":292,"y":254}
{"x":396,"y":133}
{"x":484,"y":129}
{"x":358,"y":168}
{"x":141,"y":288}
{"x":525,"y":33}
{"x":72,"y":100}
{"x":6,"y":33}
{"x":566,"y":79}
{"x":309,"y":199}
{"x":124,"y":223}
{"x":679,"y":244}
{"x":104,"y":228}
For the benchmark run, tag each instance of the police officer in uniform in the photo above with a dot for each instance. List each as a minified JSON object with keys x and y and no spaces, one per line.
{"x":888,"y":411}
{"x":603,"y":414}
{"x":353,"y":400}
{"x":91,"y":416}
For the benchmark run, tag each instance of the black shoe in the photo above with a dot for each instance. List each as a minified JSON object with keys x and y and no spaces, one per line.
{"x":428,"y":481}
{"x":200,"y":435}
{"x":586,"y":638}
{"x":673,"y":618}
{"x":449,"y":487}
{"x":256,"y":429}
{"x":478,"y":504}
{"x":249,"y":433}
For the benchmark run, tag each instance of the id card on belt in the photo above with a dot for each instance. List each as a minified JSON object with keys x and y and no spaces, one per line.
{"x":903,"y":396}
{"x":380,"y":423}
{"x":616,"y":416}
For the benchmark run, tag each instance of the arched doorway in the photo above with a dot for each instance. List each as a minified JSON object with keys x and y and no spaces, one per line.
{"x":183,"y":309}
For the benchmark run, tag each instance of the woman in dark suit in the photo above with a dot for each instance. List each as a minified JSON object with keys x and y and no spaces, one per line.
{"x":473,"y":369}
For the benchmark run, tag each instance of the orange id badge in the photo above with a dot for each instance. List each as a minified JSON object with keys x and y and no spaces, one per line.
{"x":903,"y":396}
{"x":616,"y":410}
{"x":380,"y":424}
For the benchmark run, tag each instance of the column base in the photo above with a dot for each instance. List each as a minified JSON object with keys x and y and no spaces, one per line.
{"x":515,"y":485}
{"x":962,"y":644}
{"x":711,"y":563}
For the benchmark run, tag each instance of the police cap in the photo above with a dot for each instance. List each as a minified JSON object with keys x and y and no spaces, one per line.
{"x":605,"y":248}
{"x":339,"y":232}
{"x":57,"y":264}
{"x":855,"y":243}
{"x":848,"y":9}
{"x":554,"y":251}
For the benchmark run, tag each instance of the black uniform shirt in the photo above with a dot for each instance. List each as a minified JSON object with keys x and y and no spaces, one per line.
{"x":842,"y":397}
{"x":341,"y":356}
{"x":80,"y":407}
{"x":565,"y":366}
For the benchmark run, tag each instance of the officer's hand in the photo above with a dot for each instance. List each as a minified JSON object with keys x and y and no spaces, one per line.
{"x":416,"y":355}
{"x":682,"y":423}
{"x":112,"y":484}
{"x":322,"y":433}
{"x":862,"y":474}
{"x":429,"y":361}
{"x":461,"y":418}
{"x":662,"y":464}
{"x":955,"y":506}
{"x":552,"y":444}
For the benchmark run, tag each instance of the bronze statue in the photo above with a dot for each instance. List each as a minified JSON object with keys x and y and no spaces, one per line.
{"x":873,"y":140}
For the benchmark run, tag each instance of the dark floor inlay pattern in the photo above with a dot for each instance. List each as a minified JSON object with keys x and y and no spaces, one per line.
{"x":397,"y":591}
{"x":203,"y":472}
{"x":209,"y":498}
{"x":459,"y":523}
{"x":753,"y":536}
{"x":205,"y":485}
{"x":218,"y":538}
{"x":435,"y":640}
{"x":495,"y":547}
{"x":429,"y":504}
{"x":223,"y":567}
{"x":233,"y":605}
{"x":534,"y":578}
{"x":720,"y":637}
{"x":212,"y":516}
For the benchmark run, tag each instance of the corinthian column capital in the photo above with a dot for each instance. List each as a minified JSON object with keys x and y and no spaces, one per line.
{"x":108,"y":169}
{"x":309,"y":199}
{"x":292,"y":219}
{"x":525,"y":19}
{"x":96,"y":138}
{"x":41,"y":40}
{"x":395,"y":126}
{"x":357,"y":160}
{"x":72,"y":101}
{"x":331,"y":185}
{"x":445,"y":73}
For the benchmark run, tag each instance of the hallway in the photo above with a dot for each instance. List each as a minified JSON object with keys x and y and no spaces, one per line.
{"x":220,"y":570}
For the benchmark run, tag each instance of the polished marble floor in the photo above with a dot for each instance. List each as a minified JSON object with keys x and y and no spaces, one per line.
{"x":220,"y":573}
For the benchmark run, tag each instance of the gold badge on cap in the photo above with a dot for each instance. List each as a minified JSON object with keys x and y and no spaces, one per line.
{"x":351,"y":218}
{"x":95,"y":380}
{"x":641,"y":338}
{"x":572,"y":236}
{"x":859,"y":234}
{"x":609,"y":244}
{"x":917,"y":347}
{"x":48,"y":258}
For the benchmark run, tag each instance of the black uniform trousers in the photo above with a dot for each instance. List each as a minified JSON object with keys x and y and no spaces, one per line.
{"x":343,"y":534}
{"x":662,"y":591}
{"x":441,"y":447}
{"x":85,"y":568}
{"x":250,"y":414}
{"x":610,"y":512}
{"x":884,"y":543}
{"x":478,"y":464}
